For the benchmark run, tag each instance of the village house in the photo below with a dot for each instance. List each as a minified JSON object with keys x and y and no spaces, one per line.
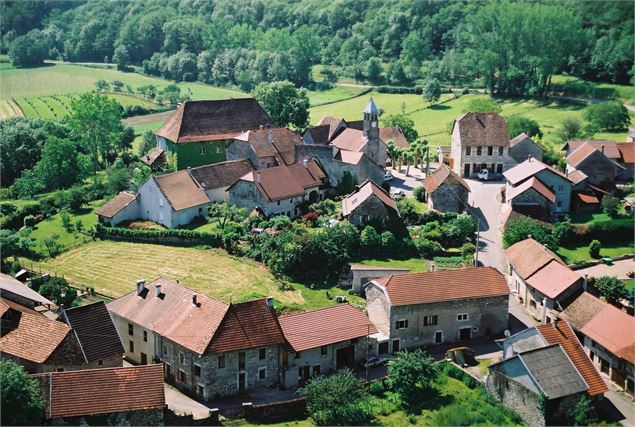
{"x":265,"y":148}
{"x":622,"y":153}
{"x":18,"y":292}
{"x":446,"y":191}
{"x":544,"y":360}
{"x":599,"y":169}
{"x":443,"y":154}
{"x":360,"y":275}
{"x":321,"y":341}
{"x":369,"y":204}
{"x":123,"y":207}
{"x":522,"y":147}
{"x":540,"y":280}
{"x":280,"y":190}
{"x":217,"y":178}
{"x":418,"y":309}
{"x":113,"y":396}
{"x":209,"y":349}
{"x":533,"y":185}
{"x":41,"y":344}
{"x":480,"y":141}
{"x":198,"y":132}
{"x":608,"y":337}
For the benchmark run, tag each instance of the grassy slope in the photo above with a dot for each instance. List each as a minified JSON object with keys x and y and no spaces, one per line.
{"x":573,"y":253}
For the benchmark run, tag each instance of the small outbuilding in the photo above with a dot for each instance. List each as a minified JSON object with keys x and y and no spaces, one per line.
{"x":123,"y":207}
{"x":446,"y":191}
{"x":369,"y":203}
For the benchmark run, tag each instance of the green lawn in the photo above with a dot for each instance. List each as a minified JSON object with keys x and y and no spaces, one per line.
{"x":589,"y":217}
{"x":625,"y":93}
{"x":629,"y":283}
{"x":334,"y":94}
{"x":416,"y":265}
{"x":573,"y":253}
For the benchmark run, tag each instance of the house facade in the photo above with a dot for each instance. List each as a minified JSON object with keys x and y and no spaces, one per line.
{"x":522,"y":147}
{"x":480,"y":141}
{"x":265,"y":148}
{"x":123,"y":207}
{"x":369,"y":204}
{"x":446,"y":191}
{"x":417,"y":309}
{"x":360,"y":275}
{"x":217,"y":178}
{"x":598,"y":167}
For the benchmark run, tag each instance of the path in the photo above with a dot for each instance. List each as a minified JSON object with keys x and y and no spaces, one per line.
{"x":618,"y":269}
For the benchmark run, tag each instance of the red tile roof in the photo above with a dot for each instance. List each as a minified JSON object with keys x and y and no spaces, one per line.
{"x":627,"y":151}
{"x":333,"y":123}
{"x":581,"y":154}
{"x":223,"y":174}
{"x":113,"y":206}
{"x":366,"y":190}
{"x":444,"y":285}
{"x":610,"y":147}
{"x":350,"y":140}
{"x":180,"y":190}
{"x":486,"y":129}
{"x":247,"y":325}
{"x":561,"y":333}
{"x":443,"y":175}
{"x":395,"y":135}
{"x":527,"y":169}
{"x":614,"y":330}
{"x":102,"y":391}
{"x":151,"y":157}
{"x":553,"y":279}
{"x":350,"y":157}
{"x":528,"y":256}
{"x":325,"y":326}
{"x":587,"y":198}
{"x":535,"y":184}
{"x":283,"y":141}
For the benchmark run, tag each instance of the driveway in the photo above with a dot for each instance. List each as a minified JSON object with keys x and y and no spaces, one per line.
{"x":618,"y":269}
{"x":407,"y":183}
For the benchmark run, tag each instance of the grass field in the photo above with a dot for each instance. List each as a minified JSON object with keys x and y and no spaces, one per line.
{"x":416,"y":265}
{"x":337,"y":93}
{"x":573,"y":253}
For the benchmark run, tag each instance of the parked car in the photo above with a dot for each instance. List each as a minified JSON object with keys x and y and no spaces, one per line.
{"x":388,"y":177}
{"x":483,"y":175}
{"x":463,"y":356}
{"x":398,"y":195}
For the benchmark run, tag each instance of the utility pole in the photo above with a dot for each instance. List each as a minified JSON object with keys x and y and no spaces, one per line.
{"x":427,"y":159}
{"x":478,"y":236}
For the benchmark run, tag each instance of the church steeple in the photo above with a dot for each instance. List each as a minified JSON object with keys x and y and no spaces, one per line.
{"x":371,"y":120}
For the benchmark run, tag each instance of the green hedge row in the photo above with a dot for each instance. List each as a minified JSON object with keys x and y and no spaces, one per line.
{"x":158,"y":236}
{"x":604,"y":231}
{"x":417,"y":90}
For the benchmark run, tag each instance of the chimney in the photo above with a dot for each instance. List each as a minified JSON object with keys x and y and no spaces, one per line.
{"x":270,"y":136}
{"x":305,"y":162}
{"x":158,"y":289}
{"x":194,"y":302}
{"x":529,"y":157}
{"x":141,"y":285}
{"x":189,"y":170}
{"x":262,"y":127}
{"x":586,"y":282}
{"x":431,"y":267}
{"x":543,"y":319}
{"x":270,"y":302}
{"x":258,"y":177}
{"x":602,"y":148}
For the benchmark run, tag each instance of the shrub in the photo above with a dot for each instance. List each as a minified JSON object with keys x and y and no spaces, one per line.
{"x":29,"y":221}
{"x":160,"y":236}
{"x":419,"y":193}
{"x":611,"y":288}
{"x":594,"y":248}
{"x":428,"y":248}
{"x":468,"y":250}
{"x":611,"y":206}
{"x":520,"y":227}
{"x":400,"y":89}
{"x":607,"y":116}
{"x":412,"y":372}
{"x":561,"y":231}
{"x":377,"y":388}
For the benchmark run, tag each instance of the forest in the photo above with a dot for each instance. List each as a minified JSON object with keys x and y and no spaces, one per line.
{"x":511,"y":48}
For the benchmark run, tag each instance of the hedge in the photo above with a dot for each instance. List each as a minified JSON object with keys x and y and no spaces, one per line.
{"x":604,"y":231}
{"x":417,"y":90}
{"x":174,"y":236}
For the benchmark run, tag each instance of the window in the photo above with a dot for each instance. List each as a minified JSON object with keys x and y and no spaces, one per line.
{"x":219,"y":149}
{"x":168,"y":370}
{"x":560,"y":188}
{"x":316,"y":370}
{"x":462,"y":317}
{"x":145,"y":336}
{"x":262,"y":353}
{"x":131,"y":346}
{"x":241,"y":360}
{"x":200,"y":391}
{"x":468,"y":151}
{"x":559,"y":203}
{"x":490,"y":151}
{"x":479,"y":151}
{"x":182,"y":376}
{"x":100,"y":363}
{"x":203,"y":151}
{"x":430,"y":320}
{"x":221,"y":362}
{"x":323,"y":350}
{"x":402,"y":324}
{"x":60,"y":369}
{"x":181,"y":358}
{"x":262,"y":373}
{"x":130,"y":329}
{"x":499,"y":168}
{"x":532,"y":304}
{"x":500,"y":151}
{"x":278,"y":202}
{"x":197,"y":371}
{"x":298,"y":354}
{"x":383,"y":347}
{"x":165,"y":350}
{"x":291,"y":201}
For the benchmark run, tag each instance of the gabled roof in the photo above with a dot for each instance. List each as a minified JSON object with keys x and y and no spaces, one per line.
{"x":576,"y":176}
{"x":350,"y":157}
{"x":581,"y":310}
{"x":553,"y":279}
{"x":221,"y":174}
{"x":335,"y":125}
{"x":443,"y":285}
{"x":484,"y":129}
{"x":443,"y":175}
{"x":362,"y":193}
{"x":561,"y":333}
{"x":395,"y":135}
{"x":152,"y":156}
{"x":247,"y":325}
{"x":627,"y":152}
{"x":527,"y":169}
{"x":614,"y":330}
{"x":523,"y":137}
{"x":9,"y":285}
{"x":610,"y":147}
{"x":180,"y":190}
{"x":585,"y":151}
{"x":196,"y":121}
{"x":319,"y":134}
{"x":30,"y":335}
{"x":325,"y":326}
{"x":95,"y":331}
{"x":535,"y":184}
{"x":283,"y":141}
{"x":350,"y":140}
{"x":528,"y":256}
{"x":113,"y":206}
{"x":103,"y":391}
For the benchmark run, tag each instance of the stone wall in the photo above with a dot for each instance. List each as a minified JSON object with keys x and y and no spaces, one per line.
{"x":378,"y":308}
{"x":370,"y":211}
{"x":460,"y":157}
{"x":449,"y":198}
{"x":521,"y":151}
{"x":598,"y":168}
{"x":516,"y":397}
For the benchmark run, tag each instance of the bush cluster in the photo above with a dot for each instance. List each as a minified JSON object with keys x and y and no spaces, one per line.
{"x":417,"y":90}
{"x":614,"y":230}
{"x":159,"y":236}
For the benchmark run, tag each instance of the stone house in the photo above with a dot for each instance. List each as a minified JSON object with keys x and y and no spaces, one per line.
{"x":265,"y":148}
{"x":522,"y":147}
{"x":321,"y":341}
{"x":198,"y":132}
{"x":548,"y":188}
{"x":446,"y":191}
{"x":16,"y":291}
{"x":610,"y":347}
{"x":418,"y":309}
{"x":217,"y":178}
{"x":360,"y":275}
{"x":113,"y":396}
{"x":369,"y":203}
{"x":123,"y":207}
{"x":540,"y":280}
{"x":280,"y":190}
{"x":598,"y":167}
{"x":549,"y":360}
{"x":480,"y":141}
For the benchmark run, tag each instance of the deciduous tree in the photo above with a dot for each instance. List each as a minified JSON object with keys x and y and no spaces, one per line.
{"x":22,"y":402}
{"x":286,"y":105}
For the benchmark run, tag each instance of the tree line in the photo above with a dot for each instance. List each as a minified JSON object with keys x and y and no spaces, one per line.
{"x":513,"y":48}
